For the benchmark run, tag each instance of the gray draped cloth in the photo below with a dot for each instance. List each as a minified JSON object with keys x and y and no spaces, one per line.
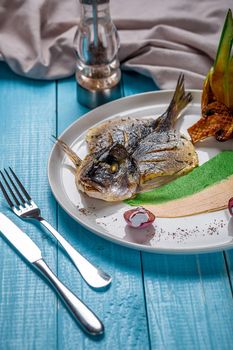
{"x":159,"y":38}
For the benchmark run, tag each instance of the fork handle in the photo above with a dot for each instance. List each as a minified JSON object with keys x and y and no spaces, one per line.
{"x":85,"y":317}
{"x":95,"y":277}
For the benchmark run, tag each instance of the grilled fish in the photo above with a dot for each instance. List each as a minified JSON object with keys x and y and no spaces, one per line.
{"x":162,"y":157}
{"x":124,"y":131}
{"x":111,"y":174}
{"x":125,"y":165}
{"x":166,"y":154}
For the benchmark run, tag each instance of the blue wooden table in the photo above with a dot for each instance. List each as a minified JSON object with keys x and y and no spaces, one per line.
{"x":155,"y":301}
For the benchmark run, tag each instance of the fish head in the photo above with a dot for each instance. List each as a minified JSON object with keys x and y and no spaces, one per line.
{"x":110,"y":175}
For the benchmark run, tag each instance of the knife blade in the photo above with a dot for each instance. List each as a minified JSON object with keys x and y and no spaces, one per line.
{"x":19,"y":239}
{"x":31,"y":252}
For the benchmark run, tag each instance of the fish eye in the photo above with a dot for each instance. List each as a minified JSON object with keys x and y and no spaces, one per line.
{"x":118,"y":152}
{"x":114,"y":167}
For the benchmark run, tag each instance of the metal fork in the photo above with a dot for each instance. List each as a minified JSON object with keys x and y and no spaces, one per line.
{"x":24,"y":207}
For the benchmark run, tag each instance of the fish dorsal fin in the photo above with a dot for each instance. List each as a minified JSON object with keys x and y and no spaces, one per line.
{"x":69,"y":152}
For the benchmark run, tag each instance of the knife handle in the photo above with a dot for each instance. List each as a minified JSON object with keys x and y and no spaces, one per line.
{"x":85,"y":317}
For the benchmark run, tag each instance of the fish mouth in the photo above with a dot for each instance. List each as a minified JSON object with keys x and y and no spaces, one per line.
{"x":90,"y":185}
{"x":113,"y":194}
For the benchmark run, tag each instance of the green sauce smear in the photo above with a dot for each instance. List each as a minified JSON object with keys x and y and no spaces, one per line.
{"x":214,"y":170}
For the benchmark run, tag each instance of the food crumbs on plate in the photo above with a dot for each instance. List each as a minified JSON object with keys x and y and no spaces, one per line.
{"x":182,"y":235}
{"x":84,"y":211}
{"x":139,"y":217}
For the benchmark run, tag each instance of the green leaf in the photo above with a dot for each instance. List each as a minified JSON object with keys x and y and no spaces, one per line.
{"x":221,"y":74}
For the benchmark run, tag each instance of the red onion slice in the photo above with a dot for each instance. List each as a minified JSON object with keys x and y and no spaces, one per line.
{"x":230,"y":206}
{"x":139,"y":217}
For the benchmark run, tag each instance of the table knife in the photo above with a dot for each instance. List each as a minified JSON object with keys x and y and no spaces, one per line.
{"x":31,"y":252}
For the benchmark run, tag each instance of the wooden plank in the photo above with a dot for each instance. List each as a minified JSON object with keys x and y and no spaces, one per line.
{"x":121,"y":307}
{"x":27,"y":119}
{"x":228,"y":255}
{"x":189,"y":300}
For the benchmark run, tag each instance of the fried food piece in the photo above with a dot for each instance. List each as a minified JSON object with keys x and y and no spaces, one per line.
{"x":217,"y":121}
{"x":217,"y":96}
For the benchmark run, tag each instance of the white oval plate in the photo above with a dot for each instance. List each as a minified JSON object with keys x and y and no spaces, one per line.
{"x":199,"y":233}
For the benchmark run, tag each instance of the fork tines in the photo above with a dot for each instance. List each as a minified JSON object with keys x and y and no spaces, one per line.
{"x":14,"y":191}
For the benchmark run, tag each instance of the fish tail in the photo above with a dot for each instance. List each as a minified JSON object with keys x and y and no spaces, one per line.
{"x":71,"y":154}
{"x":179,"y":101}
